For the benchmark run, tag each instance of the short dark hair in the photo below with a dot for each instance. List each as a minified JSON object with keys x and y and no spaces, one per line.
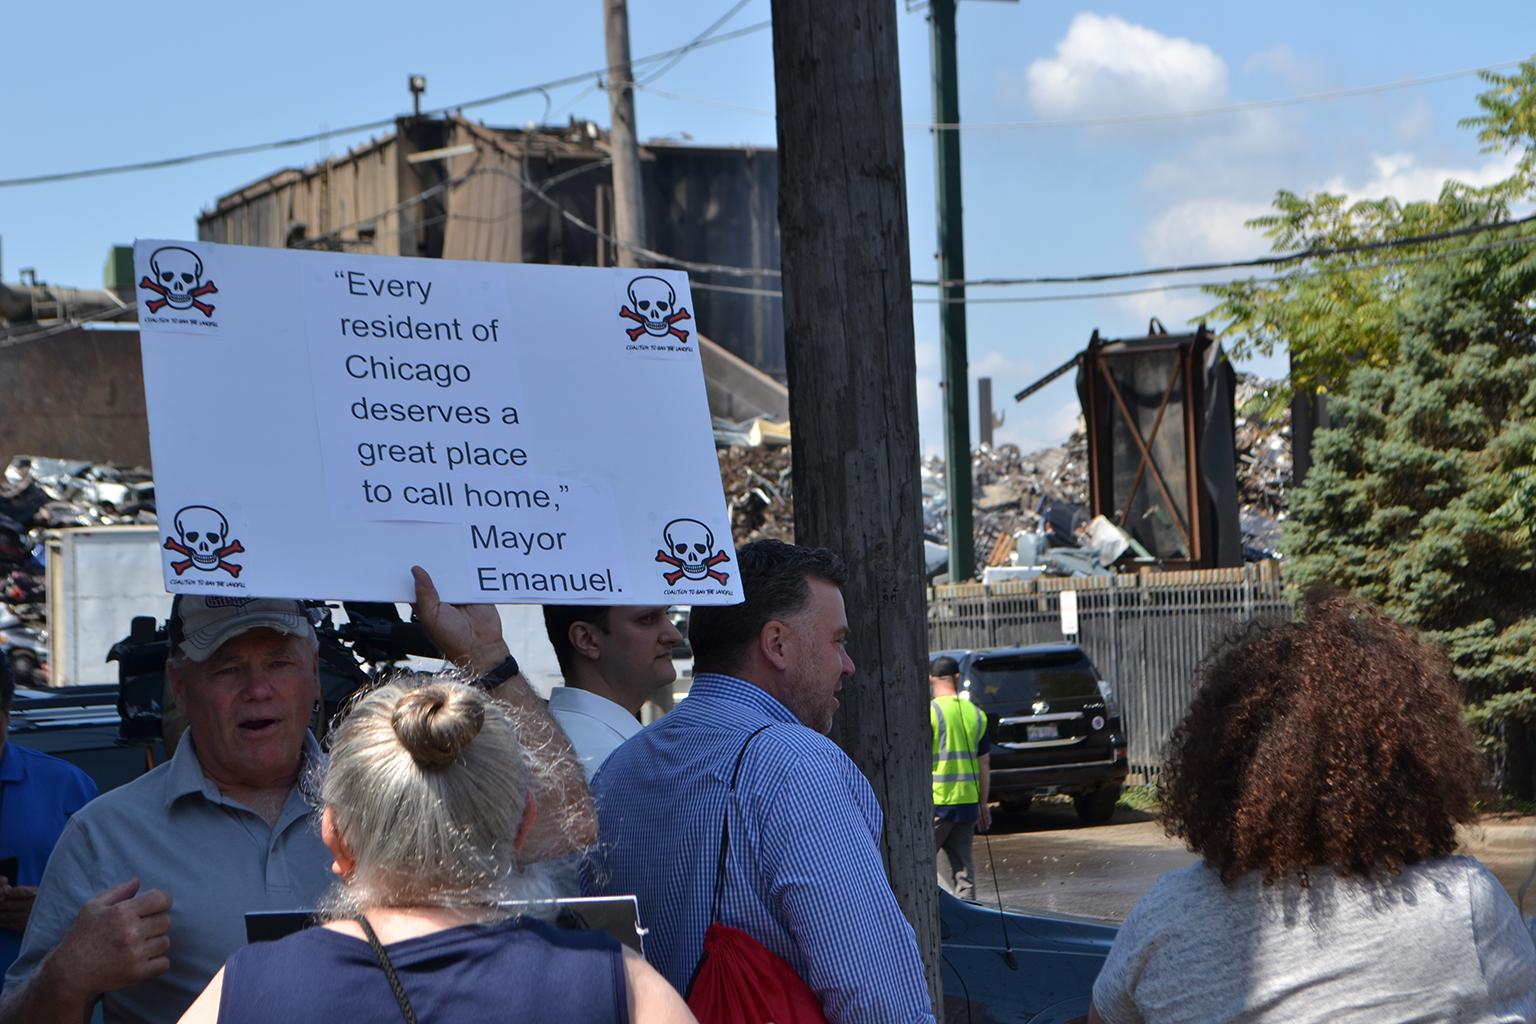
{"x":944,"y":665}
{"x":1333,"y":741}
{"x":558,"y":619}
{"x":7,"y":683}
{"x":773,"y":578}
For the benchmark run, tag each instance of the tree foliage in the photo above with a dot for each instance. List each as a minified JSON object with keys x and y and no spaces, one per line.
{"x":1422,"y":496}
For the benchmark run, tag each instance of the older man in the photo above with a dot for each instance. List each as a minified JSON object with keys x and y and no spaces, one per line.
{"x":147,"y":890}
{"x":613,"y":660}
{"x":804,"y":876}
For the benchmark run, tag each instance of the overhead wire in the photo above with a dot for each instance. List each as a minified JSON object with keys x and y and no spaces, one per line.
{"x":355,"y":129}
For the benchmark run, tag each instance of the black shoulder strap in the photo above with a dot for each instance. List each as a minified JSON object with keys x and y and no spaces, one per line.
{"x":725,"y":830}
{"x":389,"y":970}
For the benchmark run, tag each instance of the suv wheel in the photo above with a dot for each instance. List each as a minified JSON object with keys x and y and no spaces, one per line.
{"x":1097,"y":805}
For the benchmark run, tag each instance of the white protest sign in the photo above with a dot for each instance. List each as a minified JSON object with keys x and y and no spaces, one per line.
{"x":321,"y":421}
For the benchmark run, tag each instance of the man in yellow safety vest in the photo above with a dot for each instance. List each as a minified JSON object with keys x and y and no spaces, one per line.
{"x":961,"y":770}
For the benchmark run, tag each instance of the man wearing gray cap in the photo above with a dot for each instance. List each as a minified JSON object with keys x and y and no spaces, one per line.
{"x":145,"y":895}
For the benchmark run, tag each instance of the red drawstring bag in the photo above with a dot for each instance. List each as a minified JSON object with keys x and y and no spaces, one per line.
{"x":737,"y":979}
{"x":741,"y":982}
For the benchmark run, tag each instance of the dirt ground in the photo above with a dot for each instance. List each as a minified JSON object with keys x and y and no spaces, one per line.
{"x":1052,"y":862}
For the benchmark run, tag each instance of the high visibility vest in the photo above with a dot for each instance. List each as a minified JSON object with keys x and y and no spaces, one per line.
{"x":957,"y":727}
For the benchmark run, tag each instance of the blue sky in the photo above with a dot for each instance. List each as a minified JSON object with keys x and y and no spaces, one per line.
{"x":114,"y":87}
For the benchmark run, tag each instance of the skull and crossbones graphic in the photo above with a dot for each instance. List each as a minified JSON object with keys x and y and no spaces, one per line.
{"x":178,"y":280}
{"x":202,"y":535}
{"x":689,"y":543}
{"x":653,"y":305}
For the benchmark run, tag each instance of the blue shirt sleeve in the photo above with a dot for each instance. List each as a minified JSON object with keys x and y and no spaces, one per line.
{"x":821,"y":856}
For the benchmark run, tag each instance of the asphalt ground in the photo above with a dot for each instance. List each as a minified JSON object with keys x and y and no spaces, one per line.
{"x":1050,"y":861}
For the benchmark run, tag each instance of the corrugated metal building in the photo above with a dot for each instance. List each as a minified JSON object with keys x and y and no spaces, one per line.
{"x":453,"y":189}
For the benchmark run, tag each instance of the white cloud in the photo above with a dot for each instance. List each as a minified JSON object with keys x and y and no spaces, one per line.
{"x":1175,"y":309}
{"x":1204,"y":230}
{"x":1399,"y":175}
{"x":1417,"y":122}
{"x":1105,"y":65}
{"x":1298,"y":72}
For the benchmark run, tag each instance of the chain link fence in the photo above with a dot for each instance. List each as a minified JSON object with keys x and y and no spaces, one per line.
{"x":1145,"y":632}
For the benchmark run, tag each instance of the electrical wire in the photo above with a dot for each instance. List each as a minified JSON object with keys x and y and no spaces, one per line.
{"x":1111,"y":120}
{"x":695,"y":43}
{"x":301,"y":140}
{"x":1277,"y":260}
{"x":1229,"y":108}
{"x":1304,"y":275}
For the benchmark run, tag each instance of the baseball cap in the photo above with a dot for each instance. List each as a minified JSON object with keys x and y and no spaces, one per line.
{"x":200,"y":624}
{"x":944,"y":666}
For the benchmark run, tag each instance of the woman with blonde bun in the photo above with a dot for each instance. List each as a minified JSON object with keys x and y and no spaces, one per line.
{"x":427,"y":803}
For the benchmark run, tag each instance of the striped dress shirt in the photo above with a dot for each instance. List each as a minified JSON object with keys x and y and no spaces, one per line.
{"x":804,"y":876}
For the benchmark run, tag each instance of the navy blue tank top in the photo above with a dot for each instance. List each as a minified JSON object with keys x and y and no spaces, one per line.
{"x":508,"y":971}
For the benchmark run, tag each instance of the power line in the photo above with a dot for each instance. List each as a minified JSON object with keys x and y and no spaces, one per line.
{"x":301,"y":140}
{"x":695,"y":43}
{"x":1401,"y":261}
{"x":1127,"y":119}
{"x":1229,"y":108}
{"x":1260,"y":261}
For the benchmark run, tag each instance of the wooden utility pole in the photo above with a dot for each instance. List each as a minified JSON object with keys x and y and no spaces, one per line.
{"x":628,"y":203}
{"x":853,"y":400}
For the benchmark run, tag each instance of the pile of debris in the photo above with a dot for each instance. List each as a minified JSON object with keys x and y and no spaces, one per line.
{"x":1264,"y":466}
{"x":38,"y":494}
{"x":759,"y":491}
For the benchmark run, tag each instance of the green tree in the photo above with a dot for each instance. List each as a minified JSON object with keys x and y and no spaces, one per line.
{"x":1336,"y":313}
{"x":1423,"y":495}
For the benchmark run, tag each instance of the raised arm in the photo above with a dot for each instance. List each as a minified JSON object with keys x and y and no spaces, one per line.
{"x":470,"y":636}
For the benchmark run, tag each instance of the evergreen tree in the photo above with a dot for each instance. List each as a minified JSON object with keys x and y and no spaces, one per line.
{"x":1422,"y":496}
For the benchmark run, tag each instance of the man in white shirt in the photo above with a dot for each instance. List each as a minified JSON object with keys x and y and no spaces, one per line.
{"x":613,"y":660}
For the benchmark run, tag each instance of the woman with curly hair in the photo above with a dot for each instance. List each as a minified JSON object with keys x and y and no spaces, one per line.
{"x":1320,"y":773}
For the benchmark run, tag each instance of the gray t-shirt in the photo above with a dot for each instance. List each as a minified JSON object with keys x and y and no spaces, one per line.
{"x":1442,"y":941}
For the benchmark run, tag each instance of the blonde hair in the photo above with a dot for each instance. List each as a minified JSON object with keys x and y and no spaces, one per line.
{"x":427,"y":786}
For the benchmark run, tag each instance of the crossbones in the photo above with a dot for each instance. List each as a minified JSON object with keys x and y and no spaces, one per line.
{"x":635,"y":332}
{"x":156,"y":305}
{"x":233,"y":548}
{"x":715,"y":559}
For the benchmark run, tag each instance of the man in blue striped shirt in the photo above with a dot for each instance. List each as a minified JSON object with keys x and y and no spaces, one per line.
{"x":804,"y":875}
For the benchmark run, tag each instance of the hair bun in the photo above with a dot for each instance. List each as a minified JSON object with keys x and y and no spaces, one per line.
{"x":435,"y":723}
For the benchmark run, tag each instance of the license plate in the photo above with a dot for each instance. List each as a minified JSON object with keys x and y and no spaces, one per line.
{"x":1040,"y":732}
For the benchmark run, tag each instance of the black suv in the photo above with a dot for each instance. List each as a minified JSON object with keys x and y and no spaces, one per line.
{"x":1053,"y":722}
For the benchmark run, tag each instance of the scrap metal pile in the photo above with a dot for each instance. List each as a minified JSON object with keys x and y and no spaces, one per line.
{"x":38,"y":494}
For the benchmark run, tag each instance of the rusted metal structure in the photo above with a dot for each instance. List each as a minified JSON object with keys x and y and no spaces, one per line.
{"x":453,"y":189}
{"x":1162,"y":461}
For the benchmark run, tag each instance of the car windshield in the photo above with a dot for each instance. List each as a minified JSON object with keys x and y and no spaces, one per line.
{"x":1002,"y":680}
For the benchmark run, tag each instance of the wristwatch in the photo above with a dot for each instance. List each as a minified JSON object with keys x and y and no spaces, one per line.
{"x":494,"y":677}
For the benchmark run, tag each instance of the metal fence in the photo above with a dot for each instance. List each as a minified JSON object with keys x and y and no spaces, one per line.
{"x":1145,"y":632}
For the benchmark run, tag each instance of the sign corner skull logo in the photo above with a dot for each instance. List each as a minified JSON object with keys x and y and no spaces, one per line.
{"x":202,"y":539}
{"x":690,"y":550}
{"x":653,"y":306}
{"x":178,"y":280}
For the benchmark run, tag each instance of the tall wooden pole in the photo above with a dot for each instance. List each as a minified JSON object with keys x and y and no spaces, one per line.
{"x":853,"y":399}
{"x":628,"y":203}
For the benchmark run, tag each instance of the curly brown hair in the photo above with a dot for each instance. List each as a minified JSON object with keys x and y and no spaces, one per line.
{"x":1335,"y":740}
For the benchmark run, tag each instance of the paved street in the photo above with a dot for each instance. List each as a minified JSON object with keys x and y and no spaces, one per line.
{"x":1052,"y":862}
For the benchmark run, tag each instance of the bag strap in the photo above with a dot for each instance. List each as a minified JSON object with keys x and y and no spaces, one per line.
{"x":725,"y":831}
{"x":389,"y":970}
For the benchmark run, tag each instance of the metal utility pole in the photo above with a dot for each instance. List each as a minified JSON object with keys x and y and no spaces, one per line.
{"x":853,"y":401}
{"x":628,"y":203}
{"x":957,"y":413}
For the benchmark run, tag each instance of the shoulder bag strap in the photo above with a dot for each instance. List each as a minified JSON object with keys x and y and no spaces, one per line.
{"x":725,"y":831}
{"x":389,"y":970}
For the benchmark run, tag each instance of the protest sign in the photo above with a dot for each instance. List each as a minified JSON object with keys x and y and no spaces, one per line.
{"x":320,"y":421}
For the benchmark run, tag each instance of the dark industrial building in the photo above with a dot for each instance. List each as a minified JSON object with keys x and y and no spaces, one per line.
{"x":441,"y":188}
{"x":447,"y":188}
